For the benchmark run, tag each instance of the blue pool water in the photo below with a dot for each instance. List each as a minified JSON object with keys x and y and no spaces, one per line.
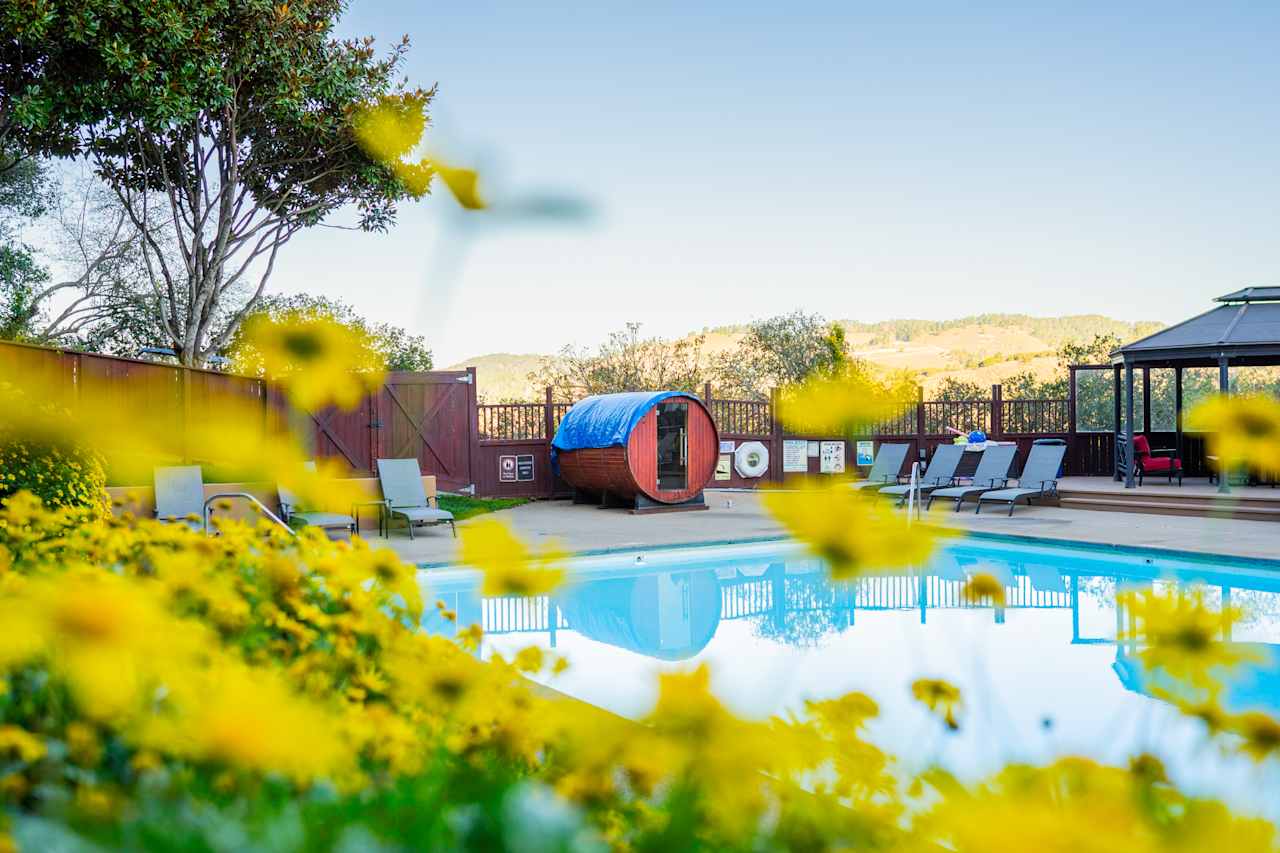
{"x":1041,"y":677}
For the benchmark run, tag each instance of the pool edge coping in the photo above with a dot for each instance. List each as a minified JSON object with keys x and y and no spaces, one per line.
{"x":1110,"y":547}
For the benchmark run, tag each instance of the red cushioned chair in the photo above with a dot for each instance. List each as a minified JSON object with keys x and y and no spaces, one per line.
{"x":1147,"y":463}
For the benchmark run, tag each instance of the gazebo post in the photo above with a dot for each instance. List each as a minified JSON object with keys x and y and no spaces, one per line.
{"x":1115,"y":396}
{"x":1146,"y":401}
{"x":1224,"y":387}
{"x":1128,"y":424}
{"x":1177,"y":410}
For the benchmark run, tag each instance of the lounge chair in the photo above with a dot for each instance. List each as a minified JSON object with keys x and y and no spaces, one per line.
{"x":1039,"y":478}
{"x":940,"y":473}
{"x":296,"y":515}
{"x":180,"y":495}
{"x":992,"y":473}
{"x":405,"y":497}
{"x":884,"y":470}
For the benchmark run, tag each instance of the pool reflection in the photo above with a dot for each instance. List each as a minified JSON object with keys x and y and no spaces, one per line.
{"x":671,"y":613}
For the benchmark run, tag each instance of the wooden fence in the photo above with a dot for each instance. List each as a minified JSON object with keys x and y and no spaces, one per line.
{"x":524,"y":430}
{"x":429,"y":416}
{"x":504,"y":449}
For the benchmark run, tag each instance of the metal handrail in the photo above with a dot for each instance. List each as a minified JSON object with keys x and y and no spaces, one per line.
{"x":253,"y":500}
{"x":913,"y":493}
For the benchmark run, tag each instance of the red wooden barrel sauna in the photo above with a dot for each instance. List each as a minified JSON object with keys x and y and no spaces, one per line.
{"x":653,"y":450}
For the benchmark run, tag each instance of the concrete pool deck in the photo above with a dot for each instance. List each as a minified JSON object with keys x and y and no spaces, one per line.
{"x":740,"y":516}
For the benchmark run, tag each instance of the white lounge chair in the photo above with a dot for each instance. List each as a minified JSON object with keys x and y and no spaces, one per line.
{"x":180,"y":495}
{"x":405,"y":497}
{"x":292,"y":510}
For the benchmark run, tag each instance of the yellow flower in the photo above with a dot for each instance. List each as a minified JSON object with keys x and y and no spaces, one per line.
{"x":1179,"y":634}
{"x":318,"y":360}
{"x":852,"y":532}
{"x":82,"y":745}
{"x":20,"y":744}
{"x":1243,"y":431}
{"x":391,"y":129}
{"x":940,"y":697}
{"x":848,"y":401}
{"x":529,"y":659}
{"x":510,"y":567}
{"x":983,"y":587}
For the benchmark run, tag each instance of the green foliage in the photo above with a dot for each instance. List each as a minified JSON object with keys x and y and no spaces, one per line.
{"x":951,"y":388}
{"x":233,"y":117}
{"x":779,"y":352}
{"x":58,"y":471}
{"x":624,"y":362}
{"x":464,"y":507}
{"x":399,"y":349}
{"x":20,"y":277}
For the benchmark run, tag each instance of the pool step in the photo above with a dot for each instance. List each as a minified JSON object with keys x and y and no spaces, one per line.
{"x":1197,"y":505}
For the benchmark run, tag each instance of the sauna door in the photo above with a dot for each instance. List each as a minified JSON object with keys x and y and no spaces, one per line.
{"x":673,"y":447}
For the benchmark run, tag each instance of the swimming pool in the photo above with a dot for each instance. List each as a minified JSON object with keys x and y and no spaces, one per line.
{"x":1041,"y":676}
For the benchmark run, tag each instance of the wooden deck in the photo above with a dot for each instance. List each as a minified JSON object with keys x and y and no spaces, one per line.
{"x":1196,"y":497}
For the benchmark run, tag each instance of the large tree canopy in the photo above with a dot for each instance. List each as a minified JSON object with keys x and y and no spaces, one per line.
{"x":235,"y":117}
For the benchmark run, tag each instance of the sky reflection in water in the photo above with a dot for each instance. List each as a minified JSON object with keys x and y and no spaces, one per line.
{"x":1041,"y":677}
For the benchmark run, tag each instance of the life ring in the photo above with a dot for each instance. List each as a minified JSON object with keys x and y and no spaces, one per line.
{"x":751,"y":459}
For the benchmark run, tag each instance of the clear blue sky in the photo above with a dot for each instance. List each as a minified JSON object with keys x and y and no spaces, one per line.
{"x":857,"y":160}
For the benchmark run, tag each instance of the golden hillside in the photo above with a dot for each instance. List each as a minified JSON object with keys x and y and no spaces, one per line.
{"x":984,"y":349}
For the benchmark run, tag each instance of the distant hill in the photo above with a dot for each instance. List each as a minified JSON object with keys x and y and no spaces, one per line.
{"x":985,"y":349}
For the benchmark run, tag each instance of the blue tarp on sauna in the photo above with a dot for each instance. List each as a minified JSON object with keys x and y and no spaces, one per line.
{"x":605,"y":420}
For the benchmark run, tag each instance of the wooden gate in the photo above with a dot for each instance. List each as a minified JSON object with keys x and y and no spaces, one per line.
{"x":430,"y":417}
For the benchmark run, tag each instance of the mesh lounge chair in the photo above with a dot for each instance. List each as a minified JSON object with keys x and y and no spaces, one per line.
{"x":401,"y":481}
{"x":180,"y":495}
{"x":992,"y":473}
{"x":884,"y":470}
{"x":1039,"y":478}
{"x":940,"y":473}
{"x":295,"y":515}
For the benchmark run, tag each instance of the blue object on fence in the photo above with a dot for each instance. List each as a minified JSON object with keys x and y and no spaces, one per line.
{"x":604,"y":420}
{"x":977,"y":437}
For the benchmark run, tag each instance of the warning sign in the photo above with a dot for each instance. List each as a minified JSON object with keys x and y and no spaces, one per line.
{"x":524,"y":468}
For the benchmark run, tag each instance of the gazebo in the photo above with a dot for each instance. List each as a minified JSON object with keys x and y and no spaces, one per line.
{"x":1244,"y":330}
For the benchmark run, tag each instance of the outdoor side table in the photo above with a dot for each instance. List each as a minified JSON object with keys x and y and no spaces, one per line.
{"x":382,"y":515}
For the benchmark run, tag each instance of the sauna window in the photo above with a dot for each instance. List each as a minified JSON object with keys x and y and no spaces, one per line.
{"x":673,"y":447}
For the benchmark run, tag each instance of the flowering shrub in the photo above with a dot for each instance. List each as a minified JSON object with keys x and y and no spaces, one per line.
{"x":166,"y":689}
{"x":62,"y":472}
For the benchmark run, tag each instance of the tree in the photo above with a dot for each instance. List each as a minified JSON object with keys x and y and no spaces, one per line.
{"x":951,"y":388}
{"x":624,"y":362}
{"x":399,"y":349}
{"x":24,"y":195}
{"x":98,"y":285}
{"x":235,"y":117}
{"x":778,"y":352}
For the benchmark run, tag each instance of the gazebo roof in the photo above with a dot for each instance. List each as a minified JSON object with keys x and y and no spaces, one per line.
{"x":1245,"y":329}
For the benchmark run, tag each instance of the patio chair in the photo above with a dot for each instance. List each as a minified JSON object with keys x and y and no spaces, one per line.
{"x":1039,"y":478}
{"x":180,"y":495}
{"x":992,"y":473}
{"x":292,"y":510}
{"x":884,"y":470}
{"x":401,"y":481}
{"x":1146,"y":462}
{"x":940,"y":473}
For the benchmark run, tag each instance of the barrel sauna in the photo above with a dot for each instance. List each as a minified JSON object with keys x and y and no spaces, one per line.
{"x":649,"y":450}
